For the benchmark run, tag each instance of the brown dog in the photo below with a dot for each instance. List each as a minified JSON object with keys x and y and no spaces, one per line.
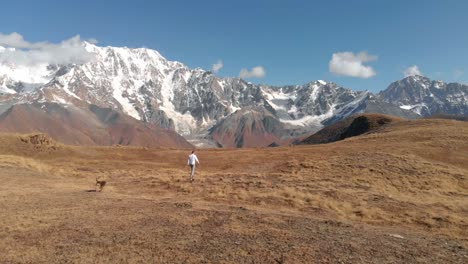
{"x":99,"y":185}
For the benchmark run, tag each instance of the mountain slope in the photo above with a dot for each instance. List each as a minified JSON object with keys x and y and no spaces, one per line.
{"x":86,"y":126}
{"x":249,"y":127}
{"x":352,"y":126}
{"x":143,"y":84}
{"x":426,"y":97}
{"x":148,"y":87}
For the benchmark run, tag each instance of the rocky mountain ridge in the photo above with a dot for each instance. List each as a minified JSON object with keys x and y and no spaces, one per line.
{"x":196,"y":103}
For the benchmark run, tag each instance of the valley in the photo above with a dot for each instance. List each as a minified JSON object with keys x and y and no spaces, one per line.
{"x":397,"y":194}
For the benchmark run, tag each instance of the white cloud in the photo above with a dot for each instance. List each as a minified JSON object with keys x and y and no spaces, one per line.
{"x":217,"y":66}
{"x":14,"y":40}
{"x":256,"y":72}
{"x":413,"y":70}
{"x":21,"y":52}
{"x":350,"y":64}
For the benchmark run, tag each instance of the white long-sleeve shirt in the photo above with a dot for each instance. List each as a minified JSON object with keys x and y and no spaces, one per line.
{"x":192,"y":158}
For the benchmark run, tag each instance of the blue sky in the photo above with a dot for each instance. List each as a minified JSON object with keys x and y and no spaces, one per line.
{"x":293,"y":41}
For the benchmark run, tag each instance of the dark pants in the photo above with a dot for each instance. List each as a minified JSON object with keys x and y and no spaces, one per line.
{"x":192,"y":170}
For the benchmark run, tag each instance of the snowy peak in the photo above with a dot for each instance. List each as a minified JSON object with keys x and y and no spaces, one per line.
{"x":11,"y":74}
{"x":141,"y":83}
{"x":310,"y":104}
{"x":426,"y":97}
{"x":134,"y":81}
{"x":416,"y":79}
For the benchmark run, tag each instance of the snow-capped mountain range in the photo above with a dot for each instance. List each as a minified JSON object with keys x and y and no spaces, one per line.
{"x":143,"y":84}
{"x":425,"y":97}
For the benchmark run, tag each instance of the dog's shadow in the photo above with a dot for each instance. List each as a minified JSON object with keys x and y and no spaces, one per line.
{"x":91,"y":190}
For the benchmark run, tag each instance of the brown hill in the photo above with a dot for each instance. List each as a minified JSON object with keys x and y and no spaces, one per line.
{"x":452,"y":117}
{"x":249,"y":127}
{"x":352,"y":126}
{"x":89,"y":125}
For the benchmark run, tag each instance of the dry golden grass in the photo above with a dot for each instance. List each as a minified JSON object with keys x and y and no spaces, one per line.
{"x":344,"y":202}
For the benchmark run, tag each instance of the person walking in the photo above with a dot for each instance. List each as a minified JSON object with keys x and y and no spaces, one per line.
{"x":192,"y":160}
